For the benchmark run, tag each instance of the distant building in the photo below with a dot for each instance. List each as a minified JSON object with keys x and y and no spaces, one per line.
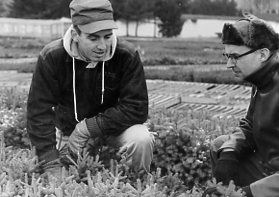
{"x":34,"y":28}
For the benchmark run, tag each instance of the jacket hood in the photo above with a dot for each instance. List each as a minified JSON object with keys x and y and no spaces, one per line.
{"x":72,"y":49}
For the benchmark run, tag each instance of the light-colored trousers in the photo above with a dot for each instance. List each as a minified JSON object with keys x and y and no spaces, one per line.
{"x":136,"y":144}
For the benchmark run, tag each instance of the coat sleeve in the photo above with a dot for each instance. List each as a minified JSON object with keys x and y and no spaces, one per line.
{"x":267,"y":186}
{"x":241,"y":140}
{"x":40,"y":116}
{"x":132,"y":106}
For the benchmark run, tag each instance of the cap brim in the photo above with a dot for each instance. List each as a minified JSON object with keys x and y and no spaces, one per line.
{"x":98,"y":26}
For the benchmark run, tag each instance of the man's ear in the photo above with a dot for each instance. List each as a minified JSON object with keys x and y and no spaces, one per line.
{"x":264,"y":54}
{"x":74,"y":35}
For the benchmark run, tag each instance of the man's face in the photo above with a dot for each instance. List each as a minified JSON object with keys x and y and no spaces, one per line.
{"x":245,"y":65}
{"x":95,"y":46}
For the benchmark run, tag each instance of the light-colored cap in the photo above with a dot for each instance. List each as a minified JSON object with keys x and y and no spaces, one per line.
{"x":92,"y":15}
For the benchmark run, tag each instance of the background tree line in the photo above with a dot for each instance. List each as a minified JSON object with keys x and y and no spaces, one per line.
{"x":168,"y":12}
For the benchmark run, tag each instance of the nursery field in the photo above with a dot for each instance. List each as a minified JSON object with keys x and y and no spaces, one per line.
{"x":181,"y":158}
{"x":175,"y":59}
{"x":219,"y":99}
{"x":173,"y":51}
{"x":186,"y":116}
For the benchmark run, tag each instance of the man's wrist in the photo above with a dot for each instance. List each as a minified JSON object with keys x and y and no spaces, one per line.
{"x":228,"y":155}
{"x":93,"y":127}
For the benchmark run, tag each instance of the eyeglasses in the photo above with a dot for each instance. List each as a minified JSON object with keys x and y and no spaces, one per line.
{"x":234,"y":57}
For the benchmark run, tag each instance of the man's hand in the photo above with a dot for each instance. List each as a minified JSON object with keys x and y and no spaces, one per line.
{"x":227,"y":168}
{"x":79,"y":137}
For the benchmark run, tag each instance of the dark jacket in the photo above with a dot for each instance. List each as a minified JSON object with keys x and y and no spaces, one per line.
{"x":51,"y":101}
{"x":260,"y":127}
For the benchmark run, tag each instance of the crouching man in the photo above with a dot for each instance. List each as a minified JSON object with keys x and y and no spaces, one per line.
{"x":250,"y":155}
{"x":88,"y":85}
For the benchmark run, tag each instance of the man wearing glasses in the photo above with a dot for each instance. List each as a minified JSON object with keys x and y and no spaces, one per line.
{"x":250,"y":155}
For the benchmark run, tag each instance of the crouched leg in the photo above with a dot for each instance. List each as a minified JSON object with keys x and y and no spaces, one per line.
{"x":136,"y":145}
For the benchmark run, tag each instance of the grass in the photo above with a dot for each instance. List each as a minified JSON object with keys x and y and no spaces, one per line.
{"x":22,"y":68}
{"x":176,"y":50}
{"x":192,"y":75}
{"x":154,"y":52}
{"x":179,"y":51}
{"x":20,"y":48}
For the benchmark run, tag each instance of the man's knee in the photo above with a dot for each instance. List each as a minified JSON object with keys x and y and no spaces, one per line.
{"x":138,"y":134}
{"x":218,"y":142}
{"x":140,"y":145}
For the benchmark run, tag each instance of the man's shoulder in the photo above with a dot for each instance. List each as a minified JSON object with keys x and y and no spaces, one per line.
{"x":54,"y":48}
{"x":125,"y":47}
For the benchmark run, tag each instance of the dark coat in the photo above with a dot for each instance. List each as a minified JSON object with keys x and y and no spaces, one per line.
{"x":260,"y":128}
{"x":51,"y":101}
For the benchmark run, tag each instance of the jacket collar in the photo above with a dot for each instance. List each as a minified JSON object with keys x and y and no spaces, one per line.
{"x":72,"y":50}
{"x":263,"y":77}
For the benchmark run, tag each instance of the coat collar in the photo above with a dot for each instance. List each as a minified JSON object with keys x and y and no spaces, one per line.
{"x":263,"y":77}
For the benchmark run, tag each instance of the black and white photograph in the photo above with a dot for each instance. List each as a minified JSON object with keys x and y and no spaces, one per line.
{"x":139,"y":98}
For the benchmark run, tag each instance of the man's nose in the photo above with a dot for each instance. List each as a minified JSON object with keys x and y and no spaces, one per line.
{"x":230,"y":63}
{"x":101,"y":44}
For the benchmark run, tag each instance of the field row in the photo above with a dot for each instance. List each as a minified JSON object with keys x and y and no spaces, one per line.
{"x":197,"y":68}
{"x":18,"y":60}
{"x":220,"y":99}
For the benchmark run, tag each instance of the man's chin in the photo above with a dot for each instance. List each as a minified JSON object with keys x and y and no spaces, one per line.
{"x":97,"y":59}
{"x":239,"y":77}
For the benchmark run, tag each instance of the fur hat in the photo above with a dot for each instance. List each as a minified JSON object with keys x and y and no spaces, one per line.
{"x":252,"y":32}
